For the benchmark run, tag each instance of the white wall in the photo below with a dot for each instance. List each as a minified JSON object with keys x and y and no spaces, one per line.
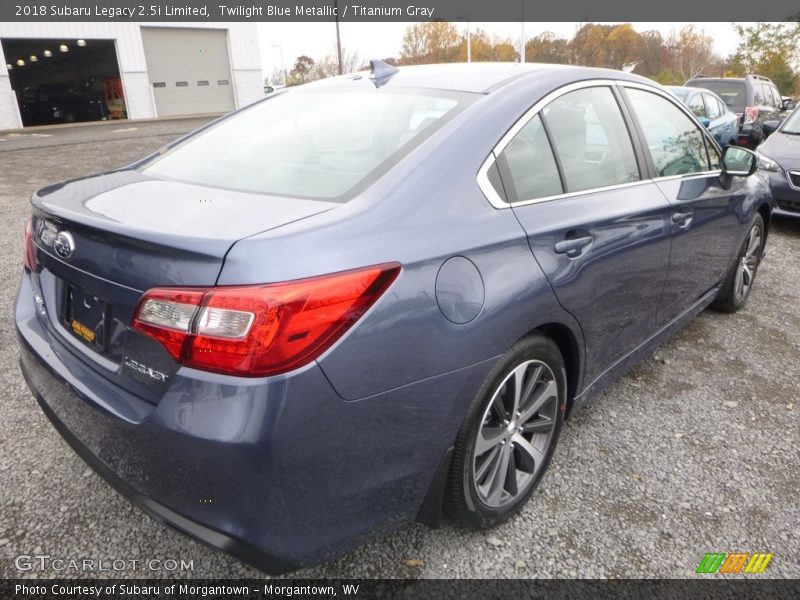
{"x":242,"y":40}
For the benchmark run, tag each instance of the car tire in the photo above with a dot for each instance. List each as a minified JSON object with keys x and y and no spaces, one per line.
{"x":739,"y":280}
{"x":508,"y":435}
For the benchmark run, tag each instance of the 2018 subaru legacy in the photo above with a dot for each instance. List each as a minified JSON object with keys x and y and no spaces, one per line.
{"x":375,"y":298}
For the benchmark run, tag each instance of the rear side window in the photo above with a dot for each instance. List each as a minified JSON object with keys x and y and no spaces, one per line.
{"x":531,"y":164}
{"x":591,"y":139}
{"x":320,"y":144}
{"x":777,"y":101}
{"x":759,"y":98}
{"x":676,"y":144}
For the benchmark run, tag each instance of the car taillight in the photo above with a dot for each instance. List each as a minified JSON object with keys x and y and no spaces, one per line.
{"x":750,"y":115}
{"x":30,"y":249}
{"x":260,"y":330}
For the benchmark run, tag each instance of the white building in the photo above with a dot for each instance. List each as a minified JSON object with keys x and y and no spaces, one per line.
{"x":64,"y":72}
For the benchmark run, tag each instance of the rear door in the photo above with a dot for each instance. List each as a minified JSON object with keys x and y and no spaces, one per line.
{"x":704,"y":215}
{"x":599,"y":231}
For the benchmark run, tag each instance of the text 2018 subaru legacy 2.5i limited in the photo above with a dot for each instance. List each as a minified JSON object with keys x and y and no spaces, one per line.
{"x":374,"y":299}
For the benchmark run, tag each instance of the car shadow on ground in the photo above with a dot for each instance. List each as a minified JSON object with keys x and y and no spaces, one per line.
{"x":787,"y":225}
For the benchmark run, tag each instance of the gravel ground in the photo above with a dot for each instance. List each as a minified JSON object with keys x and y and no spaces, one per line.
{"x":697,"y":450}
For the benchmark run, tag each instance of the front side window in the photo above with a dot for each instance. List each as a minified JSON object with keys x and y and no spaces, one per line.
{"x":713,"y":110}
{"x":319,"y":144}
{"x":531,"y":164}
{"x":675,"y":142}
{"x":590,"y":139}
{"x":696,"y":106}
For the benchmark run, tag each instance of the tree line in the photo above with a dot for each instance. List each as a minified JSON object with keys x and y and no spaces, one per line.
{"x":769,"y":49}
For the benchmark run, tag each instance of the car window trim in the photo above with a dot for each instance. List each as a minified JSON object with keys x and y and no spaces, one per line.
{"x":647,"y":173}
{"x":642,"y":159}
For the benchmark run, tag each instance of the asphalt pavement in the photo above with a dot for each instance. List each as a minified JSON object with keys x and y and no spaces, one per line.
{"x":697,"y":450}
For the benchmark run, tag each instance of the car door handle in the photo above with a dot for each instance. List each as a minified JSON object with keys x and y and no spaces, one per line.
{"x":683,"y":218}
{"x":573,"y":247}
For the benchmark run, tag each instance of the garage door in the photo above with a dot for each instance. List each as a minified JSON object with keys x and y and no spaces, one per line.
{"x":189,"y":70}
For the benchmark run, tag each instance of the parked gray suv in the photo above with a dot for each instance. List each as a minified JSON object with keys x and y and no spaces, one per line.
{"x":753,"y":98}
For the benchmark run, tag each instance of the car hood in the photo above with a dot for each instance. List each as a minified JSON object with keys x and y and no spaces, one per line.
{"x":782,"y":147}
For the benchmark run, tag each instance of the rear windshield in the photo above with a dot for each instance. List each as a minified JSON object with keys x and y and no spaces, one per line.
{"x":733,"y":93}
{"x":323,"y":144}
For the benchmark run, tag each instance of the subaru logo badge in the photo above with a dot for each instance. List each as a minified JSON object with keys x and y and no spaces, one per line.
{"x":64,"y":244}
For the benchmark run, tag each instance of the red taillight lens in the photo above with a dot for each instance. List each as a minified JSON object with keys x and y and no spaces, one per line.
{"x":750,"y":115}
{"x":30,"y":249}
{"x":260,"y":330}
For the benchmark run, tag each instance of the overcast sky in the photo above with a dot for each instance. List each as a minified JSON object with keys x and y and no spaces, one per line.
{"x":381,"y":40}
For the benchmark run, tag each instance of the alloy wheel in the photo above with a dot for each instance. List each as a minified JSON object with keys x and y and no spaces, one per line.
{"x":748,"y":264}
{"x":515,"y":434}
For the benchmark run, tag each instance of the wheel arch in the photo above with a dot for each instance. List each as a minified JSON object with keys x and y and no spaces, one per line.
{"x":568,"y":345}
{"x":766,"y":213}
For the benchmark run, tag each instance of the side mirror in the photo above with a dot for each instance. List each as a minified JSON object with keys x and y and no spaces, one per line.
{"x":738,"y":161}
{"x":789,"y":104}
{"x":770,"y":126}
{"x":704,"y":121}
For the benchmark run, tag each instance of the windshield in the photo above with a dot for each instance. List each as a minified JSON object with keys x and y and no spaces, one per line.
{"x":732,"y":93}
{"x":323,"y":144}
{"x":792,"y":124}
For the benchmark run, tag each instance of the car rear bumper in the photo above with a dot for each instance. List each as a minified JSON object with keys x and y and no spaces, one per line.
{"x":32,"y":371}
{"x":279,"y":472}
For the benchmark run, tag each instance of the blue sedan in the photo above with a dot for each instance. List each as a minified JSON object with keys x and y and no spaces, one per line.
{"x":374,"y":299}
{"x":711,"y":111}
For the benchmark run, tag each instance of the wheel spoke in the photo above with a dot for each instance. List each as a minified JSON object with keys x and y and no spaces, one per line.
{"x":545,"y":390}
{"x":535,"y":457}
{"x":738,"y":284}
{"x":747,"y":274}
{"x":755,"y":242}
{"x":488,"y":463}
{"x":488,"y":437}
{"x":497,"y":477}
{"x":511,"y":473}
{"x":540,"y":425}
{"x":497,"y":407}
{"x":519,"y":382}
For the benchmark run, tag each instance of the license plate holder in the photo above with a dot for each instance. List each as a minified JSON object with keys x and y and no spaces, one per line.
{"x":86,"y":316}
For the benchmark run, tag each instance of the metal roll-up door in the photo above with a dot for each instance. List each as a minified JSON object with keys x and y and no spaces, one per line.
{"x":189,"y":70}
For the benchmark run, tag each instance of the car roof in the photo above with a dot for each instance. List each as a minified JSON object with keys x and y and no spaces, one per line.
{"x":478,"y":77}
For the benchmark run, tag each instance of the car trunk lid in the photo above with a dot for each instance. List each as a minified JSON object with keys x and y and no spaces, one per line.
{"x":102,"y":241}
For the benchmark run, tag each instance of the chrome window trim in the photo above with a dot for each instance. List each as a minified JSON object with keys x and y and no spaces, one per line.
{"x":483,"y":172}
{"x":486,"y":186}
{"x":580,"y":193}
{"x":789,"y":174}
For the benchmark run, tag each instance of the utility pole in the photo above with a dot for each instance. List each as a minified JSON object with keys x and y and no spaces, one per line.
{"x":338,"y":39}
{"x":469,"y":45}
